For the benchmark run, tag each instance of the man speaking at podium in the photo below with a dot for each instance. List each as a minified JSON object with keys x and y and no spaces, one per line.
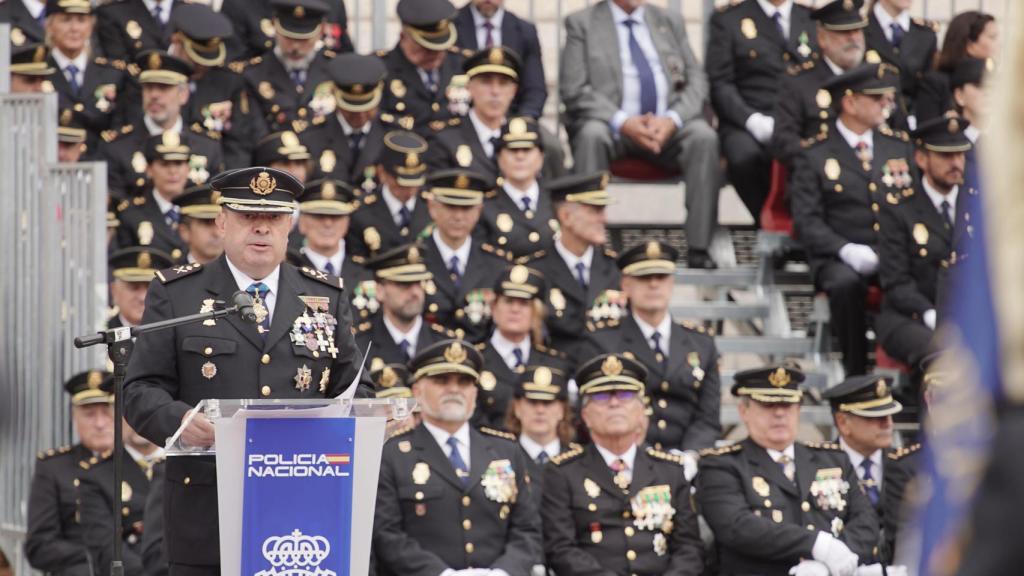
{"x":301,"y":346}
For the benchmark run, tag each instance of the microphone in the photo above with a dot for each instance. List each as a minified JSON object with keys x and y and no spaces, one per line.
{"x":243,"y":301}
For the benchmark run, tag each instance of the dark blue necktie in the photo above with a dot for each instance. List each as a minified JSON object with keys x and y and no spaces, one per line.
{"x":72,"y":72}
{"x":259,"y":291}
{"x":404,"y":346}
{"x":461,"y":470}
{"x":329,"y":268}
{"x":355,"y":141}
{"x":526,"y":203}
{"x":581,"y":277}
{"x":542,"y":458}
{"x":519,"y":357}
{"x":946,"y":213}
{"x":870,"y":486}
{"x":172,"y":217}
{"x":432,"y":83}
{"x":158,"y":13}
{"x":659,"y":354}
{"x":648,"y":90}
{"x":298,"y":76}
{"x":777,"y":17}
{"x":454,"y":272}
{"x":897,"y":34}
{"x":42,"y":17}
{"x":404,"y":217}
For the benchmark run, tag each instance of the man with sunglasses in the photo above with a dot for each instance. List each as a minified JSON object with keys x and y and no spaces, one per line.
{"x":774,"y":503}
{"x":612,"y":507}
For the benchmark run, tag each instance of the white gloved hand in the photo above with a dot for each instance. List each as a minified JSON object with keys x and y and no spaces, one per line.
{"x":835,"y":554}
{"x":690,"y":459}
{"x":761,"y":127}
{"x":861,"y":258}
{"x":876,"y":570}
{"x":929,"y":318}
{"x":809,"y":568}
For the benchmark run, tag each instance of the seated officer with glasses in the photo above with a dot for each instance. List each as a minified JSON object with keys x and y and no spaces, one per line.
{"x":612,"y":507}
{"x":775,"y":504}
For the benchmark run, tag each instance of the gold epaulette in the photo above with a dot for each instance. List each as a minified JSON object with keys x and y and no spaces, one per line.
{"x":44,"y":454}
{"x":694,"y":327}
{"x":442,"y":330}
{"x":237,"y":66}
{"x":794,"y":70}
{"x":357,"y":259}
{"x":454,"y":121}
{"x":123,"y":205}
{"x":526,"y":259}
{"x":168,"y":275}
{"x":436,"y":125}
{"x":255,"y":60}
{"x":330,"y":53}
{"x":108,"y":135}
{"x":365,"y":326}
{"x":550,"y":351}
{"x":381,"y":53}
{"x":574,"y":452}
{"x":903,"y":451}
{"x":602,"y":325}
{"x":731,"y":448}
{"x":933,"y":25}
{"x":499,"y":252}
{"x":611,"y":253}
{"x":823,"y":446}
{"x":667,"y":457}
{"x":498,"y":433}
{"x":323,"y":277}
{"x":402,"y":431}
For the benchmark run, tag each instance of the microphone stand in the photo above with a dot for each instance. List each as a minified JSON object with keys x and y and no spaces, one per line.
{"x":119,"y":342}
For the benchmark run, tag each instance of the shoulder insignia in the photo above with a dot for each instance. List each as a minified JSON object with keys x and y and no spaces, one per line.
{"x":436,"y":125}
{"x":665,"y":456}
{"x":498,"y":433}
{"x":531,"y":257}
{"x":364,"y":326}
{"x":255,"y":60}
{"x":369,"y":199}
{"x":323,"y":277}
{"x":402,"y":431}
{"x":138,"y":200}
{"x":903,"y":451}
{"x":358,"y":259}
{"x":823,"y":446}
{"x":381,"y":53}
{"x":319,"y":120}
{"x":611,"y":253}
{"x":168,"y":275}
{"x":100,"y":60}
{"x":574,"y":452}
{"x":133,"y":69}
{"x":454,"y":121}
{"x":108,"y":135}
{"x":127,"y":129}
{"x":693,"y":327}
{"x":195,"y":127}
{"x":731,"y":448}
{"x":45,"y":454}
{"x":550,"y":351}
{"x":330,"y":53}
{"x":237,"y":67}
{"x":924,"y":23}
{"x":123,"y":205}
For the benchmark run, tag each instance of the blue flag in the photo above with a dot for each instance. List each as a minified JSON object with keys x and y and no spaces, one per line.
{"x":297,"y":511}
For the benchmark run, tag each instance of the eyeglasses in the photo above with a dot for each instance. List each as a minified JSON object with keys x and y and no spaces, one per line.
{"x":606,"y":397}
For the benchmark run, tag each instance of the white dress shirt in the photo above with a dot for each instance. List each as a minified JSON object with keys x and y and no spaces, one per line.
{"x":34,"y":7}
{"x":775,"y":454}
{"x":395,"y":205}
{"x":412,"y":336}
{"x":506,"y":349}
{"x":835,"y":68}
{"x":517,"y":195}
{"x":630,"y":77}
{"x":320,"y":261}
{"x":154,"y":129}
{"x":461,"y":437}
{"x":244,"y":281}
{"x":481,"y":32}
{"x":571,"y":259}
{"x":165,"y":8}
{"x":853,"y":139}
{"x":856,"y":458}
{"x":937,"y":197}
{"x":972,"y":133}
{"x":349,"y":130}
{"x":664,"y":328}
{"x":484,"y":133}
{"x":885,"y":21}
{"x":785,"y":10}
{"x":533,"y":449}
{"x":292,"y":65}
{"x":629,"y":457}
{"x":161,"y":202}
{"x":80,"y":62}
{"x":447,"y":252}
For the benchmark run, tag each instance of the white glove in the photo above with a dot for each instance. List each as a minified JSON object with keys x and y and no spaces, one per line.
{"x":929,"y":318}
{"x":861,"y":258}
{"x":876,"y":570}
{"x":761,"y":127}
{"x":833,"y":553}
{"x":809,"y":568}
{"x":689,"y":462}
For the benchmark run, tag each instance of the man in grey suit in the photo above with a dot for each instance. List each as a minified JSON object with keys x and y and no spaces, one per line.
{"x":632,"y":86}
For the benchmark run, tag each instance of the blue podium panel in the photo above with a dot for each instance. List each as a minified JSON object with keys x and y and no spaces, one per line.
{"x":297,"y":503}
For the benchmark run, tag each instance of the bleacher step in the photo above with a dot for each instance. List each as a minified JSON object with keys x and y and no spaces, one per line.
{"x":720,"y":310}
{"x":765,"y":345}
{"x":744,"y":276}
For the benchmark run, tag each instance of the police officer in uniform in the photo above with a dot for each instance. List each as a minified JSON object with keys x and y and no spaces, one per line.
{"x":774,"y":503}
{"x":540,"y":415}
{"x":198,"y":227}
{"x":129,"y":27}
{"x":164,"y":80}
{"x":55,"y":539}
{"x":919,"y":237}
{"x":394,"y":304}
{"x":283,"y":355}
{"x":895,"y":38}
{"x":289,"y":82}
{"x":464,"y":268}
{"x":219,"y":101}
{"x":422,"y":67}
{"x":26,"y":19}
{"x":513,"y":345}
{"x":450,"y":497}
{"x":30,"y":69}
{"x":71,"y":139}
{"x":346,"y":144}
{"x":751,"y":44}
{"x":152,"y":219}
{"x":85,"y":82}
{"x":394,"y":213}
{"x":582,"y":277}
{"x":807,"y":108}
{"x":614,"y":506}
{"x":838,"y":187}
{"x":519,"y":217}
{"x":681,"y":359}
{"x":324,"y":212}
{"x":132,"y":270}
{"x":863,"y":408}
{"x":283,"y":151}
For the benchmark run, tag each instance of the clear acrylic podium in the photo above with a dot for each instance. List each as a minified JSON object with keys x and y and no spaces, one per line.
{"x":230,"y":418}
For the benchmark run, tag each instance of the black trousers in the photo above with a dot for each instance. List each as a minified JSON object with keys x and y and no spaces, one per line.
{"x":749,"y":167}
{"x":847,"y":297}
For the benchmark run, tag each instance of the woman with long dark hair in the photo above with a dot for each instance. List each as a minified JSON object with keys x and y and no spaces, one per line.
{"x":971,"y":34}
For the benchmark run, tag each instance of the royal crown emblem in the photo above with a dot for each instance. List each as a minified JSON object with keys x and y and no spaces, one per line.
{"x":296,"y":555}
{"x":263,"y":184}
{"x":455,"y":353}
{"x":881,"y":389}
{"x":780,"y":378}
{"x":519,"y":274}
{"x":154,"y":61}
{"x":612,"y":366}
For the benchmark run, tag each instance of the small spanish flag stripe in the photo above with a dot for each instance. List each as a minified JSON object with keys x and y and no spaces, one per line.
{"x":338,"y":458}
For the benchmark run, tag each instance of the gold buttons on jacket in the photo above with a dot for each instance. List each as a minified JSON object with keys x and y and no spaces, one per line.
{"x":630,"y":555}
{"x":629,"y":531}
{"x":265,"y":359}
{"x":467,"y":524}
{"x":265,"y":391}
{"x":469,"y":547}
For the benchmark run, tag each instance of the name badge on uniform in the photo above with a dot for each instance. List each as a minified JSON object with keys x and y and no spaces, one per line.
{"x":652,"y":507}
{"x":760,"y":486}
{"x":829,"y":489}
{"x":420,"y":473}
{"x":499,"y":482}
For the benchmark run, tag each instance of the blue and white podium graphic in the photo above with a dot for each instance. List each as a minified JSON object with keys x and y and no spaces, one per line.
{"x":297,"y":485}
{"x":297,"y":509}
